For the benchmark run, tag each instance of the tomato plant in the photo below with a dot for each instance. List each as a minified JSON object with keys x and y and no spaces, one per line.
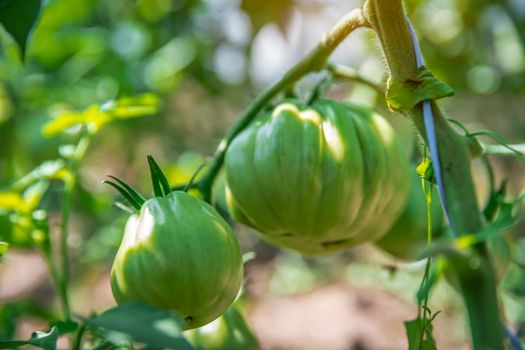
{"x":313,"y":165}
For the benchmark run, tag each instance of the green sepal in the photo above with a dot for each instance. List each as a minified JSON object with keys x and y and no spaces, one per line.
{"x":132,"y":192}
{"x":404,"y":96}
{"x":125,"y":193}
{"x":161,"y":186}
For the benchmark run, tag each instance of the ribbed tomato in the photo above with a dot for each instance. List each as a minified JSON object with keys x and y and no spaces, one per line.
{"x":317,"y":178}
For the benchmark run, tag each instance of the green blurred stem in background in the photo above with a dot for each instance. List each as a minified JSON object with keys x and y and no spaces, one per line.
{"x":349,"y":73}
{"x":69,"y":189}
{"x":501,"y":150}
{"x":388,"y":19}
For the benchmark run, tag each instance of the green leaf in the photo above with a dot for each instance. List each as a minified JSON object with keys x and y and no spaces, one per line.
{"x":414,"y":333}
{"x":419,"y":334}
{"x":46,"y":341}
{"x":504,"y":215}
{"x":96,"y":116}
{"x":144,"y":323}
{"x":10,"y":201}
{"x":18,"y":17}
{"x":134,"y":106}
{"x":33,"y":195}
{"x":65,"y":121}
{"x":424,"y":86}
{"x":48,"y":170}
{"x":3,"y":248}
{"x":66,"y":327}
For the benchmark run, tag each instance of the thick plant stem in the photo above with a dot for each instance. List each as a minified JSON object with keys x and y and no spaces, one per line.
{"x":314,"y":61}
{"x":388,"y":19}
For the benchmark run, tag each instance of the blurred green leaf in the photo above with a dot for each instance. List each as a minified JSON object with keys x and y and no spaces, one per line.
{"x":95,"y":116}
{"x":135,"y":106}
{"x":46,"y":341}
{"x":65,"y":327}
{"x":270,"y":11}
{"x":33,"y":195}
{"x":48,"y":170}
{"x":65,"y":121}
{"x":18,"y":17}
{"x":143,"y":323}
{"x":10,"y":200}
{"x":3,"y":248}
{"x":419,"y":333}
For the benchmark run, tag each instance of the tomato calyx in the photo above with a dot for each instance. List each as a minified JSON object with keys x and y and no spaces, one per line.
{"x":159,"y":181}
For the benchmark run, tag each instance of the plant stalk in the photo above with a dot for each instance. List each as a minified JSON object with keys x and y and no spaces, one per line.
{"x":388,"y":19}
{"x":77,"y":343}
{"x":67,"y":203}
{"x":501,"y":150}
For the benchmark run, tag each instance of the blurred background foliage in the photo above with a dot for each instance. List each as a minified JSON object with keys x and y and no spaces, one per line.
{"x":206,"y":59}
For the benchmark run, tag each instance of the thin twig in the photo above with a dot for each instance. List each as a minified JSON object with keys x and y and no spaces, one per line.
{"x":348,"y":73}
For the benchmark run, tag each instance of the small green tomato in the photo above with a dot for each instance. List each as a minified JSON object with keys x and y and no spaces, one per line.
{"x":228,"y":332}
{"x":178,"y":254}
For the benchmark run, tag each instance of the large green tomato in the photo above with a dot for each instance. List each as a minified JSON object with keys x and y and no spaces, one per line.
{"x":179,"y":254}
{"x":228,"y":332}
{"x":408,"y":236}
{"x":317,"y":178}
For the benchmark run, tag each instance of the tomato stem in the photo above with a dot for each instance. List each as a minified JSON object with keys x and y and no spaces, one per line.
{"x":388,"y":19}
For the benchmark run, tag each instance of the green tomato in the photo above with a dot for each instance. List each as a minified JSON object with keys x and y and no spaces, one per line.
{"x":228,"y":332}
{"x":317,"y":178}
{"x":179,"y":254}
{"x":408,"y":236}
